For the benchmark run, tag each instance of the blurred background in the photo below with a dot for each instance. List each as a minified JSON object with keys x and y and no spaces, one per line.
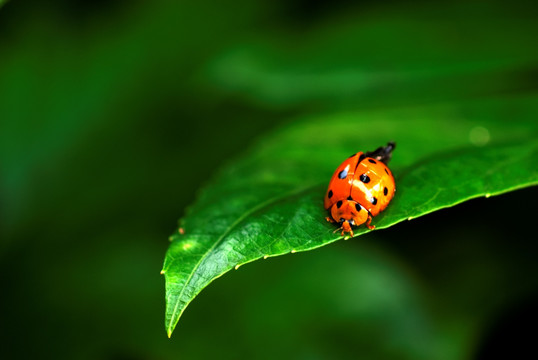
{"x":114,"y":113}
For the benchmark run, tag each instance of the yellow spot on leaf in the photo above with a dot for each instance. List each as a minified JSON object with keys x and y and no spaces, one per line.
{"x":479,"y":136}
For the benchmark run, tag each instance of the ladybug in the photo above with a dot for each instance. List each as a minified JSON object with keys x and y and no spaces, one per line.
{"x":361,"y":187}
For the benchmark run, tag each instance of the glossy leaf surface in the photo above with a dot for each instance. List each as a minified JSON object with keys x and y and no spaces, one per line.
{"x":269,"y":202}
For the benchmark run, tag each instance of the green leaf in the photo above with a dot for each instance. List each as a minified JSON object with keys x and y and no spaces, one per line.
{"x":345,"y":62}
{"x":269,"y":201}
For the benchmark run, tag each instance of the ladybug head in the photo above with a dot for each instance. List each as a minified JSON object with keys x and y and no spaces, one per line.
{"x":346,"y":225}
{"x":342,"y":221}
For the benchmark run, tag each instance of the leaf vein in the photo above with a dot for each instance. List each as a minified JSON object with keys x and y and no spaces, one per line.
{"x":221,"y":238}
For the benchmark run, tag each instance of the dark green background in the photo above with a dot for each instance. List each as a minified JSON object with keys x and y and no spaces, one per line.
{"x":113,"y":114}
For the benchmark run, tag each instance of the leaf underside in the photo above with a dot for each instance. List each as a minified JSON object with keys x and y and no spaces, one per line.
{"x":270,"y":201}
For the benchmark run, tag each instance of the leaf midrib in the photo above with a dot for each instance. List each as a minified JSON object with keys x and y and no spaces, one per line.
{"x":228,"y":230}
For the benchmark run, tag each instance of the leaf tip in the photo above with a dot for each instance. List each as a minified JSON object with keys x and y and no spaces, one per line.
{"x":237,"y":266}
{"x":265,"y":257}
{"x":162,"y":272}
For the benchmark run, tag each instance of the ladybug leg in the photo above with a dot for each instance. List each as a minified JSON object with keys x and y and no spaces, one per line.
{"x":346,"y":228}
{"x":371,"y":227}
{"x":330,"y":219}
{"x":344,"y":232}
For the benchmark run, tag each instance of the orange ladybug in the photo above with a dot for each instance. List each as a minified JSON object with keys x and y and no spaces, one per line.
{"x":361,"y":187}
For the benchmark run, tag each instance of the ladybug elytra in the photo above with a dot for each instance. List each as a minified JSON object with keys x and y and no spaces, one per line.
{"x":360,"y":188}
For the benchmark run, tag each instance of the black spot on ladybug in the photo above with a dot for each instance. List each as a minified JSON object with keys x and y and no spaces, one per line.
{"x":358,"y":207}
{"x":373,"y":201}
{"x":365,"y":179}
{"x":330,"y":194}
{"x":387,"y":171}
{"x":342,"y":174}
{"x":338,"y":204}
{"x":352,"y":156}
{"x":372,"y":161}
{"x":385,"y":191}
{"x":350,"y":198}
